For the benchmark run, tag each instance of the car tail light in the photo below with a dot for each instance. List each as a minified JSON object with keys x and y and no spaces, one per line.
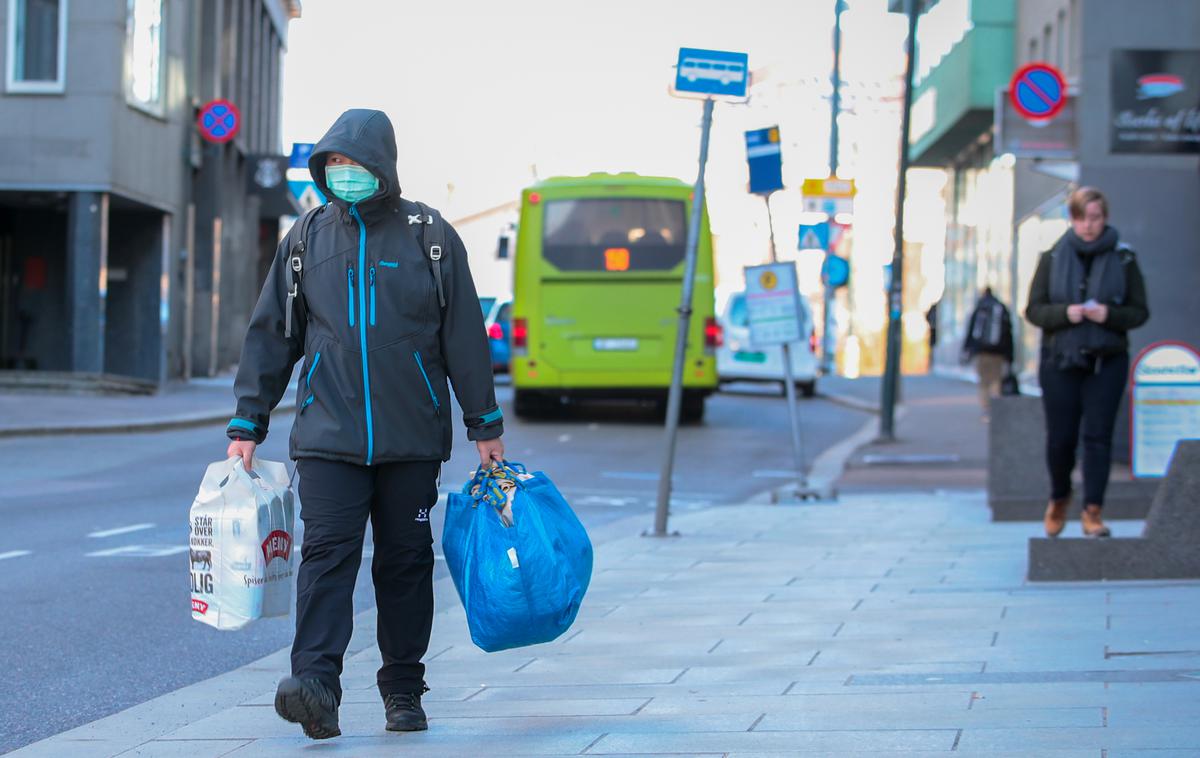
{"x":520,"y":333}
{"x":495,"y":331}
{"x":714,"y":336}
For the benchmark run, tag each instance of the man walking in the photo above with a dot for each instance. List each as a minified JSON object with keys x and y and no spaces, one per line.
{"x":373,"y":292}
{"x":990,"y":342}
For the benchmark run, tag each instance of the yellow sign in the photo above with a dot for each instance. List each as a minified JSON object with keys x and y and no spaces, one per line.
{"x":768,"y":280}
{"x":831,"y":187}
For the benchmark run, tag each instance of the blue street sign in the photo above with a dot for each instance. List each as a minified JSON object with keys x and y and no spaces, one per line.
{"x":765,"y":157}
{"x":300,"y":154}
{"x":835,"y":272}
{"x":712,"y":72}
{"x":814,"y":236}
{"x":306,"y":193}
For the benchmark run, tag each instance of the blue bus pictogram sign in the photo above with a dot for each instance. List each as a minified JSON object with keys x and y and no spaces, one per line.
{"x":1038,"y":91}
{"x":219,"y":121}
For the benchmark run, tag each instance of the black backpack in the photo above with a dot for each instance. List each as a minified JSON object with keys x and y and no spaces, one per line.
{"x":432,"y":237}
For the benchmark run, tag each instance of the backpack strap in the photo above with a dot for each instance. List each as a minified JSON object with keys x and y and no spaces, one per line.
{"x":296,"y":271}
{"x":433,"y":234}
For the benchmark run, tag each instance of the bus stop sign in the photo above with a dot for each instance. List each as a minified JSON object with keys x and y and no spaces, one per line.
{"x":712,"y":72}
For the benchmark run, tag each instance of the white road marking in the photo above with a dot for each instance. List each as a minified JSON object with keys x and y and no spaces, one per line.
{"x":15,"y":554}
{"x":614,"y":501}
{"x":139,"y":551}
{"x":121,"y":530}
{"x":643,"y":476}
{"x":774,"y":474}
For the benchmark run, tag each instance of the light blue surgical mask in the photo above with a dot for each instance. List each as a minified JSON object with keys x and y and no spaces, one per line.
{"x":351,"y":183}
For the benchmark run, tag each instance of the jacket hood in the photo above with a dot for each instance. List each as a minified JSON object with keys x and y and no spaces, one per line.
{"x":366,"y":136}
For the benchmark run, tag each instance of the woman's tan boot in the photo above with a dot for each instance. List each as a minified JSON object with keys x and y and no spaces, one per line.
{"x":1056,"y":516}
{"x":1092,"y":525}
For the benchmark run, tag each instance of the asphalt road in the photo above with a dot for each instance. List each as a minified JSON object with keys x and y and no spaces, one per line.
{"x":94,"y":586}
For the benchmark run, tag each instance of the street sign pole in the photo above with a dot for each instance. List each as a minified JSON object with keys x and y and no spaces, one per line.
{"x":828,"y":338}
{"x":675,"y":397}
{"x":891,"y":376}
{"x":789,"y":383}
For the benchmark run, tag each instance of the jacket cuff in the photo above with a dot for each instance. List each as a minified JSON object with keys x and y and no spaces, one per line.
{"x":485,"y":425}
{"x":243,"y":429}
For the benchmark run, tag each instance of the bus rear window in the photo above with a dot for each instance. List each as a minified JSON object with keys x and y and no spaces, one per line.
{"x":619,"y":234}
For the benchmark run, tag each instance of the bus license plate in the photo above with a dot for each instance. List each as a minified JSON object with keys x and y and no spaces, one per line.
{"x":616,"y":345}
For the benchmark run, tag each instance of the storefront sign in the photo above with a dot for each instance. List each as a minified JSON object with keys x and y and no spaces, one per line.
{"x":1165,"y":405}
{"x":1155,"y":101}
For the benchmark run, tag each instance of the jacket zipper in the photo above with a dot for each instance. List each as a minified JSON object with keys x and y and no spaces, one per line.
{"x":372,"y":296}
{"x":308,"y":381}
{"x":350,"y":294}
{"x":437,"y":407}
{"x":362,"y":330}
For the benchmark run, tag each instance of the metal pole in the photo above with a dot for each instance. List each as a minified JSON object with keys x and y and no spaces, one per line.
{"x":828,"y":338}
{"x":789,"y":380}
{"x":675,"y":398}
{"x":891,"y":377}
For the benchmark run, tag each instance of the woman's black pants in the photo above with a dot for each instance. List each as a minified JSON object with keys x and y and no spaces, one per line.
{"x":1088,"y":397}
{"x":335,"y":501}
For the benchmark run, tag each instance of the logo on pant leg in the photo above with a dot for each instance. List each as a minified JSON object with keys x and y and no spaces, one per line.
{"x":422,"y":515}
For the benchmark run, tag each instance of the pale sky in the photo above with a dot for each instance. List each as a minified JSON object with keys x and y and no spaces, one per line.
{"x":481,"y":92}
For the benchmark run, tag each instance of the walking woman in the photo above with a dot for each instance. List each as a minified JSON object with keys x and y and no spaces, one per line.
{"x":1087,"y":293}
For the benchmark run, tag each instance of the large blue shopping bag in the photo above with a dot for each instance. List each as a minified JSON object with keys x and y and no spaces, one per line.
{"x":519,"y":557}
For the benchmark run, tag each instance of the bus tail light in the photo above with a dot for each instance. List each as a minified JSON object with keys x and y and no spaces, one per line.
{"x":495,"y":331}
{"x":520,"y":334}
{"x":714,"y":336}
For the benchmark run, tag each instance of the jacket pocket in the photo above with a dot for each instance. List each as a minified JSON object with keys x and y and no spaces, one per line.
{"x":437,"y":406}
{"x":350,"y":294}
{"x":308,"y":383}
{"x":372,"y":278}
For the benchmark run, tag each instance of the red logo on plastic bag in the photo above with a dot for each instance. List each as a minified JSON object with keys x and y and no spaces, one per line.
{"x":278,"y":544}
{"x":199,"y":606}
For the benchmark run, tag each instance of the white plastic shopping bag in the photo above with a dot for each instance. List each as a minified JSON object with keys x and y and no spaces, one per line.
{"x":240,"y":535}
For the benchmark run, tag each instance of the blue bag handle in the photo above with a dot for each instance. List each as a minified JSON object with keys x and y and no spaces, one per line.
{"x":488,"y":480}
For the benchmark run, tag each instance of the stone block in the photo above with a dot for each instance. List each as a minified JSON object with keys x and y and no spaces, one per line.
{"x":1167,"y":550}
{"x":1018,"y":483}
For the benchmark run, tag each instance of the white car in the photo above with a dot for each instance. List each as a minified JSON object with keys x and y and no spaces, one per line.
{"x":739,"y":361}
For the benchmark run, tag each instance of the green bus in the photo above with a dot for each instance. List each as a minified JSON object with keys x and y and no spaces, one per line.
{"x":599,"y":267}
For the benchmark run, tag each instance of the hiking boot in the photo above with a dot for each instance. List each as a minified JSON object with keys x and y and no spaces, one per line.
{"x":404,"y":711}
{"x":1092,"y":525}
{"x":310,"y":704}
{"x":1056,"y":516}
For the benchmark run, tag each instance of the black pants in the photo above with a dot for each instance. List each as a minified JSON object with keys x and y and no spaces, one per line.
{"x":335,"y":501}
{"x":1091,"y":396}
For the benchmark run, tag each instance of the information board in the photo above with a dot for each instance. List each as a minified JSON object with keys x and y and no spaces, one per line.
{"x":773,"y":304}
{"x":1165,"y":405}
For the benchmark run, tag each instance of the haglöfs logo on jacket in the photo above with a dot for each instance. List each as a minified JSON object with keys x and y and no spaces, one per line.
{"x":278,"y":544}
{"x":1154,"y":86}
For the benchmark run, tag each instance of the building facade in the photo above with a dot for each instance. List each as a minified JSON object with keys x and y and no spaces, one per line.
{"x":130,"y":245}
{"x":1131,"y":127}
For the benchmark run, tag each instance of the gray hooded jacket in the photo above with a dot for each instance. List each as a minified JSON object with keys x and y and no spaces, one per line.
{"x":377,"y":347}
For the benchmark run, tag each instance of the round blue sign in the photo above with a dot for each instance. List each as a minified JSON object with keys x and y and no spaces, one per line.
{"x":835,"y":272}
{"x":219,"y":121}
{"x":1038,"y":91}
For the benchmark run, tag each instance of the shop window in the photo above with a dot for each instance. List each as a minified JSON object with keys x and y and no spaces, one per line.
{"x":37,"y":46}
{"x":144,"y":50}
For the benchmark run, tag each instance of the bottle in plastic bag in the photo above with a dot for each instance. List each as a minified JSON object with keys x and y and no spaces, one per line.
{"x":240,"y":536}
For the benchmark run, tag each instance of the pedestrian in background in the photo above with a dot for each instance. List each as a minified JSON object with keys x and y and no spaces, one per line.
{"x":989,"y":342}
{"x":381,"y":321}
{"x":1086,"y":294}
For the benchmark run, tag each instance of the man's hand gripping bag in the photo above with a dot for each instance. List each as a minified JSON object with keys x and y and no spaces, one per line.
{"x":519,"y":557}
{"x":240,"y":538}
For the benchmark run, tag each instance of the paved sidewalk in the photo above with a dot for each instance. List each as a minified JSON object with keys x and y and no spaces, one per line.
{"x":180,"y":404}
{"x":895,"y":625}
